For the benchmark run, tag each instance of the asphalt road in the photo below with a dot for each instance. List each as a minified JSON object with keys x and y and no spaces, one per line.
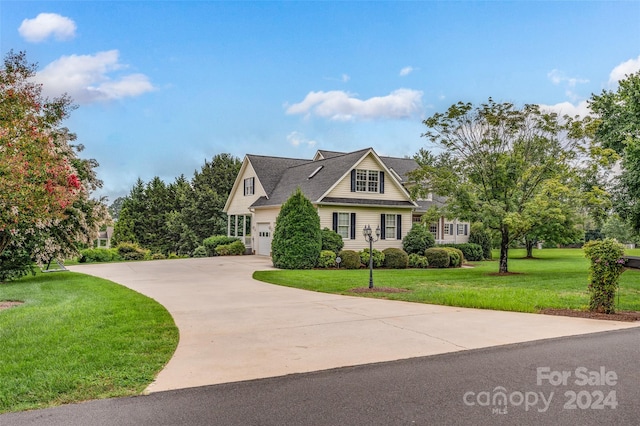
{"x":584,"y":380}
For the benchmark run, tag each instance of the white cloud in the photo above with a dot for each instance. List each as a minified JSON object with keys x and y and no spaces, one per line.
{"x":624,"y":69}
{"x":567,"y":108}
{"x":296,"y":139}
{"x":86,"y":78}
{"x":557,"y":77}
{"x":341,"y":106}
{"x":345,"y":78}
{"x":406,"y":71}
{"x":46,"y":25}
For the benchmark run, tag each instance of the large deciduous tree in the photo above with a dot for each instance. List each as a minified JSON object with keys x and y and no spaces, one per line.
{"x":497,"y":162}
{"x":618,"y":114}
{"x":45,"y":208}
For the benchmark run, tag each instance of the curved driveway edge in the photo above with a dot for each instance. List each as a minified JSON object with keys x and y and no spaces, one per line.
{"x":234,"y":328}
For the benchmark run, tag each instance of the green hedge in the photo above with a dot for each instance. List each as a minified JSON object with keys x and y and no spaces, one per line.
{"x":236,"y":248}
{"x":470,"y":251}
{"x":378,"y":258}
{"x":455,"y":257}
{"x":98,"y":255}
{"x":327,"y":259}
{"x":200,"y":251}
{"x":437,"y":257}
{"x":214,"y":241}
{"x":418,"y":239}
{"x":350,"y":259}
{"x":395,"y":258}
{"x":131,"y":251}
{"x":331,"y":240}
{"x":418,"y":261}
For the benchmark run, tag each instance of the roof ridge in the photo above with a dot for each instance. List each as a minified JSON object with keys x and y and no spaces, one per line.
{"x":279,"y":158}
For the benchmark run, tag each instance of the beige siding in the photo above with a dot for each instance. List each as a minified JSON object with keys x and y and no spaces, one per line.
{"x":391,"y":190}
{"x":366,"y":216}
{"x":239,"y":202}
{"x":267,"y":215}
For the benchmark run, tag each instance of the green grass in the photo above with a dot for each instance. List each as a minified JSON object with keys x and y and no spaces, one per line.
{"x":555,"y":278}
{"x":78,"y":338}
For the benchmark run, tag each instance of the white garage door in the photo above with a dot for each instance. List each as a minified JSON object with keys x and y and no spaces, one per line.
{"x":264,"y":239}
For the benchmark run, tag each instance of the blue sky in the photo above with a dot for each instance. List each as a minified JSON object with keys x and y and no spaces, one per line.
{"x":163,"y":85}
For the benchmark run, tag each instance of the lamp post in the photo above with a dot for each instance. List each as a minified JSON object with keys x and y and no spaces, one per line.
{"x":368,"y":236}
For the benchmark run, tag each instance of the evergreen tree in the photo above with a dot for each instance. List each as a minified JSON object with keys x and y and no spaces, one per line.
{"x":297,"y":239}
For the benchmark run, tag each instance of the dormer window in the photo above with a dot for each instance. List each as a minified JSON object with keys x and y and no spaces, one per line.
{"x":249,"y":186}
{"x":367,"y":180}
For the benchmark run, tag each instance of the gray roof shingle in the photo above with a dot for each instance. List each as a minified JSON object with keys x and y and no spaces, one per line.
{"x":281,"y":176}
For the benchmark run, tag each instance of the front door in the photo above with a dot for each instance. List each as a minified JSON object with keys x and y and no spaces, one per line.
{"x":264,"y":239}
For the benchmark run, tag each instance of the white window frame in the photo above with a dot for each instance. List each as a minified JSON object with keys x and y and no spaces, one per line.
{"x":390,"y":225}
{"x":461,"y":229}
{"x":367,"y":180}
{"x":344,"y":230}
{"x":249,"y":186}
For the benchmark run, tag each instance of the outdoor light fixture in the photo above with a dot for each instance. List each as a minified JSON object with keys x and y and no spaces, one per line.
{"x":368,"y":236}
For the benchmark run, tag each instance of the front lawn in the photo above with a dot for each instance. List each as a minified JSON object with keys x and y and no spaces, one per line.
{"x":556,"y":278}
{"x":76,"y":338}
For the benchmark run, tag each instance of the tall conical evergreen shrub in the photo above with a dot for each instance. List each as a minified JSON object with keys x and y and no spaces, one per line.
{"x":296,"y":239}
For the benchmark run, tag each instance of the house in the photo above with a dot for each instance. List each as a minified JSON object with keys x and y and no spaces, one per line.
{"x":349,"y":191}
{"x":104,"y":238}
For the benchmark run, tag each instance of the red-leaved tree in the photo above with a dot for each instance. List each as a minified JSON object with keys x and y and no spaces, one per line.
{"x":38,"y":181}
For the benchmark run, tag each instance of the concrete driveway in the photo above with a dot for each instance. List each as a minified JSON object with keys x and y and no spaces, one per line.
{"x":233,"y":328}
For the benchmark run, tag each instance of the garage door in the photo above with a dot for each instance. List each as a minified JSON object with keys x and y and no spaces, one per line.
{"x":264,"y":239}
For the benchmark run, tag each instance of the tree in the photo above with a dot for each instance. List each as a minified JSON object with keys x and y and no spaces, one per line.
{"x":555,"y":219}
{"x":496,"y":161}
{"x":37,"y":183}
{"x":618,"y":128}
{"x":45,"y":205}
{"x":211,"y":187}
{"x":296,"y":239}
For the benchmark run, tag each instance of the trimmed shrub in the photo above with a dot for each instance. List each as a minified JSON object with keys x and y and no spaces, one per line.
{"x":98,"y":255}
{"x":200,"y":251}
{"x":158,"y":256}
{"x":327,"y":259}
{"x":482,"y":237}
{"x":417,"y":261}
{"x":236,"y":248}
{"x":350,"y":259}
{"x":378,"y":258}
{"x":395,"y":258}
{"x":437,"y":257}
{"x":418,"y":239}
{"x":455,"y":257}
{"x":606,"y":266}
{"x":212,"y":242}
{"x":331,"y":240}
{"x":131,"y":251}
{"x":470,"y":251}
{"x":296,"y":239}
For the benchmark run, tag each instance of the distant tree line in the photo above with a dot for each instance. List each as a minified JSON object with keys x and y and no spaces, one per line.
{"x":177,"y":217}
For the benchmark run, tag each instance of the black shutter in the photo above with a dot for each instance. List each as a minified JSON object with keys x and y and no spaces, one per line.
{"x":353,"y":226}
{"x":466,"y":229}
{"x":335,"y":222}
{"x":244,"y":187}
{"x":353,"y":180}
{"x":382,"y":227}
{"x":399,"y":227}
{"x":382,"y":182}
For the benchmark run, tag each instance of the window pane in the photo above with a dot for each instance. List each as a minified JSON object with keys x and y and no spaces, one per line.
{"x":390,"y":225}
{"x":373,"y":181}
{"x":343,"y":225}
